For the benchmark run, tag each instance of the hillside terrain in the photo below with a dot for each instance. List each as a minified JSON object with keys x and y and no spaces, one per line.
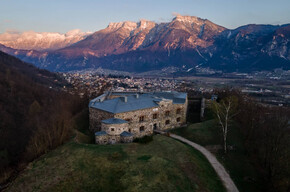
{"x":208,"y":134}
{"x":35,"y":114}
{"x":257,"y":139}
{"x":161,"y":165}
{"x":187,"y":43}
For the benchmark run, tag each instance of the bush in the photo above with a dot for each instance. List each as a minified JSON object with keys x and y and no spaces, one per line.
{"x":144,"y":140}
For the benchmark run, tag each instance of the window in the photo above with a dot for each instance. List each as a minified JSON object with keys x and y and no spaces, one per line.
{"x":130,"y":130}
{"x":129,"y":120}
{"x":155,"y":116}
{"x":142,"y":128}
{"x":178,"y":111}
{"x":178,"y":119}
{"x":112,"y":129}
{"x":167,"y":113}
{"x":141,"y":118}
{"x":167,"y":122}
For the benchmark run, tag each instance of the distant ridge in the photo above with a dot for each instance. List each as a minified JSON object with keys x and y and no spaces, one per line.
{"x":31,"y":40}
{"x":187,"y":43}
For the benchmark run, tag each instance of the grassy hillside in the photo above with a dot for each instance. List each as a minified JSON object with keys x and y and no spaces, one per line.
{"x":35,"y":114}
{"x":241,"y":170}
{"x":161,"y":165}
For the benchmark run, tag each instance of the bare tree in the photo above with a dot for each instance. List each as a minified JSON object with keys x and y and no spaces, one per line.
{"x":224,"y":111}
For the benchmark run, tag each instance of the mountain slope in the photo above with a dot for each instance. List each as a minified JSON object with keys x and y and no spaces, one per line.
{"x":118,"y":38}
{"x":187,"y":42}
{"x":31,"y":40}
{"x":252,"y":47}
{"x":35,"y":115}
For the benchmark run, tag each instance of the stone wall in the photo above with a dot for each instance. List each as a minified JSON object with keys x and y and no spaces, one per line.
{"x":127,"y":139}
{"x":102,"y":139}
{"x":115,"y":129}
{"x":107,"y":139}
{"x":160,"y":122}
{"x":112,"y":139}
{"x":96,"y":116}
{"x":168,"y":116}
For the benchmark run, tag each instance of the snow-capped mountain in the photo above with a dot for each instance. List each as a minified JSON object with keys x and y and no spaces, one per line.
{"x":31,"y":40}
{"x":183,"y":32}
{"x":186,"y":42}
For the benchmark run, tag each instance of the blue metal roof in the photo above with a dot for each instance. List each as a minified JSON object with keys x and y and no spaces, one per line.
{"x":143,"y":101}
{"x":126,"y":134}
{"x":100,"y":133}
{"x":177,"y":97}
{"x":114,"y":121}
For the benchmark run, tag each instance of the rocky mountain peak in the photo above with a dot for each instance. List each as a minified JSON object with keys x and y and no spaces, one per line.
{"x":143,"y":24}
{"x":188,"y":19}
{"x":146,"y":45}
{"x":125,"y":25}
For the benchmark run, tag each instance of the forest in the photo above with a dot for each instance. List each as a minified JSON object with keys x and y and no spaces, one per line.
{"x":265,"y":133}
{"x":35,"y":114}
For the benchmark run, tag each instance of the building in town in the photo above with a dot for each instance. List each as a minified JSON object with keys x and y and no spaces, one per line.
{"x":122,"y":116}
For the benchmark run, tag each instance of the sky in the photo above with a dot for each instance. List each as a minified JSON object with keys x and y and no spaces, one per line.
{"x":92,"y":15}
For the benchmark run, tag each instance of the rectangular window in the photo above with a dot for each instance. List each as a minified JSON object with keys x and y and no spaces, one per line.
{"x":178,"y":119}
{"x":112,"y":129}
{"x":167,"y":113}
{"x":178,"y":111}
{"x":167,"y":122}
{"x":142,"y":128}
{"x":155,"y":116}
{"x":141,"y":118}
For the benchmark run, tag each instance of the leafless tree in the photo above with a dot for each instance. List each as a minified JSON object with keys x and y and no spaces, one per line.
{"x":224,"y":111}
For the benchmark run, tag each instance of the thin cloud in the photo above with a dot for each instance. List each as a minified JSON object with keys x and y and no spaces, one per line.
{"x":175,"y":14}
{"x":7,"y":21}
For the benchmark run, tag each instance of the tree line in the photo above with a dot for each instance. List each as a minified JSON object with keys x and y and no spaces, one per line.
{"x":266,"y":134}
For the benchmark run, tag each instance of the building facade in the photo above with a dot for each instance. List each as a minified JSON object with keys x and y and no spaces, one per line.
{"x":122,"y":116}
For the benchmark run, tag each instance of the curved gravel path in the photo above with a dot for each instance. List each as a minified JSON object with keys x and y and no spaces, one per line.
{"x":218,"y":167}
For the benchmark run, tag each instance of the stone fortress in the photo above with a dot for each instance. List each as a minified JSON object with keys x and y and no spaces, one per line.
{"x":120,"y":117}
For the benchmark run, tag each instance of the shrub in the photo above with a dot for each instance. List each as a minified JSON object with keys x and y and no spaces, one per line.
{"x":144,"y":140}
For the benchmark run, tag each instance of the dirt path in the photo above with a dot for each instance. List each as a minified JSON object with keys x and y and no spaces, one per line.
{"x":218,"y":167}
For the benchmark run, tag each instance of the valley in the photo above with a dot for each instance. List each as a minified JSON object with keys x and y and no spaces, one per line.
{"x":145,"y":96}
{"x":266,"y":87}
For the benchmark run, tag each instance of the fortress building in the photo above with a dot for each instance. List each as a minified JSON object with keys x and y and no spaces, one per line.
{"x":122,"y":116}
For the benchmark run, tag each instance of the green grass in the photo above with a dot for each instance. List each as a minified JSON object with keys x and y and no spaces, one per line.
{"x":241,"y":170}
{"x":205,"y":133}
{"x":161,"y":165}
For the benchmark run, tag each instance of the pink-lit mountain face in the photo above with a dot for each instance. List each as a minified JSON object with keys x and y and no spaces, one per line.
{"x":183,"y":32}
{"x":186,"y":42}
{"x":31,"y":40}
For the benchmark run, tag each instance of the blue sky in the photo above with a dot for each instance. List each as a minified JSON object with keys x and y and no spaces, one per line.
{"x":91,"y":15}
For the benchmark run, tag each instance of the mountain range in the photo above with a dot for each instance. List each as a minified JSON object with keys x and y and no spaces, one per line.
{"x":186,"y":43}
{"x":31,"y":40}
